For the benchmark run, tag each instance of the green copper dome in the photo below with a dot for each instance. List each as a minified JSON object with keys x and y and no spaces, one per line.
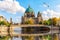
{"x":29,"y":9}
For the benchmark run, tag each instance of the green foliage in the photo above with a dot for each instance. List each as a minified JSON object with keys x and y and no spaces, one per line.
{"x":29,"y":37}
{"x":27,"y":22}
{"x":48,"y":37}
{"x":40,"y":22}
{"x":8,"y":24}
{"x":48,"y":22}
{"x":4,"y":37}
{"x":4,"y":23}
{"x":54,"y":20}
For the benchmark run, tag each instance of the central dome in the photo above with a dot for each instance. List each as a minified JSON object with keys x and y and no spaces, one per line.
{"x":29,"y":9}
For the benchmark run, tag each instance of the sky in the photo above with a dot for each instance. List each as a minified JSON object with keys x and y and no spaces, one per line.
{"x":15,"y":8}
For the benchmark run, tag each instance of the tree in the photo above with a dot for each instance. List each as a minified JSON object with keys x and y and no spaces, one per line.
{"x":4,"y":23}
{"x":55,"y":37}
{"x":7,"y":24}
{"x":58,"y":22}
{"x":40,"y":22}
{"x":1,"y":22}
{"x":49,"y":21}
{"x":45,"y":22}
{"x":31,"y":38}
{"x":48,"y":37}
{"x":54,"y":21}
{"x":29,"y":21}
{"x":4,"y":37}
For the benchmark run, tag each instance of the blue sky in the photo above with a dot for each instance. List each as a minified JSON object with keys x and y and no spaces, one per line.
{"x":17,"y":11}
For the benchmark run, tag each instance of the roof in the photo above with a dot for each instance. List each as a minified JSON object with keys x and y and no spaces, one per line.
{"x":29,"y":9}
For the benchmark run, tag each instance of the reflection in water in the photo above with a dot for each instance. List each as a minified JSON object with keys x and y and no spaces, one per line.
{"x":35,"y":30}
{"x":15,"y":38}
{"x":17,"y":30}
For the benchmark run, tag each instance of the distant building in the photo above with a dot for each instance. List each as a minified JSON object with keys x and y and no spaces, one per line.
{"x":29,"y":13}
{"x":11,"y":21}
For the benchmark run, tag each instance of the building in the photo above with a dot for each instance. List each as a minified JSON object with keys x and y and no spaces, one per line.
{"x":11,"y":21}
{"x":29,"y":14}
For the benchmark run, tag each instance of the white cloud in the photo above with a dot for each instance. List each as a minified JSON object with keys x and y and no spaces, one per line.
{"x":45,"y":5}
{"x":50,"y":13}
{"x":11,"y":6}
{"x":17,"y":19}
{"x":2,"y":15}
{"x":58,"y":6}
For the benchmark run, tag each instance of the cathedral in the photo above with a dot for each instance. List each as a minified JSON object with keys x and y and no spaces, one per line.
{"x":29,"y":14}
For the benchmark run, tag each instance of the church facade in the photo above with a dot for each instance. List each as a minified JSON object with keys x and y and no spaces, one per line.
{"x":29,"y":14}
